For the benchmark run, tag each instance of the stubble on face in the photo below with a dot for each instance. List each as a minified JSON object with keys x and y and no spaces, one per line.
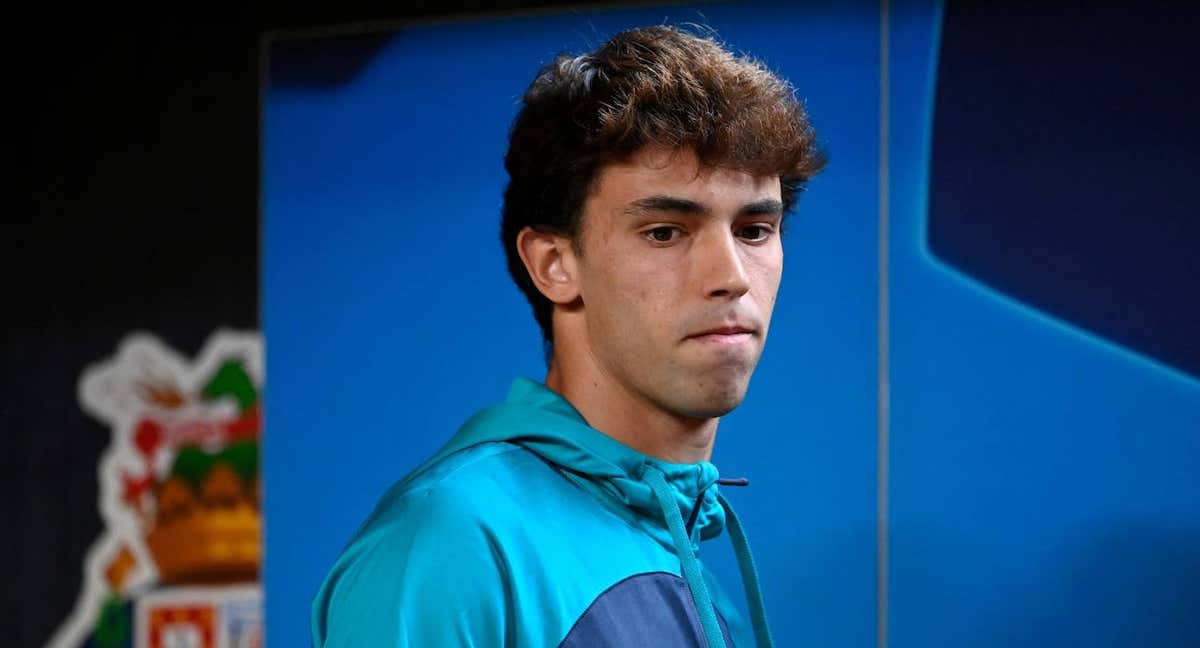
{"x":671,"y":249}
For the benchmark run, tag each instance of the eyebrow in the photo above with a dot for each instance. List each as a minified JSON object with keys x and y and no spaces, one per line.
{"x":763,"y":207}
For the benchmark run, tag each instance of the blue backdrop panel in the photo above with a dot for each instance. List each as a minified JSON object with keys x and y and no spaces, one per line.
{"x":1044,"y":483}
{"x":389,"y":317}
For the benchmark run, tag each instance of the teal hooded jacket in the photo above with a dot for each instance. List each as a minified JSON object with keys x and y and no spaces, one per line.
{"x":532,"y":529}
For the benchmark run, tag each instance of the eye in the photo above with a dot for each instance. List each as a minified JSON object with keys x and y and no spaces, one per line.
{"x":662,"y":234}
{"x":756,"y":233}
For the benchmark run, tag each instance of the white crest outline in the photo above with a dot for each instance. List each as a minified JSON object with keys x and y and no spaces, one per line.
{"x":98,"y":393}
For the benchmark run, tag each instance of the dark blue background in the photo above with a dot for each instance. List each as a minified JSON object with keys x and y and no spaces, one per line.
{"x":1065,"y":158}
{"x":1044,"y":481}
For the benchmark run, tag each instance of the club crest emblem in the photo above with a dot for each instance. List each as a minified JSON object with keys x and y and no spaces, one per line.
{"x":177,"y":564}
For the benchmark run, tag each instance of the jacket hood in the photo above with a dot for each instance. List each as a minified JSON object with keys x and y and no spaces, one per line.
{"x":655,"y":495}
{"x":540,"y":420}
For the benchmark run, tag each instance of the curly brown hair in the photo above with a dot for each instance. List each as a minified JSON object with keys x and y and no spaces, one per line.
{"x":650,"y":86}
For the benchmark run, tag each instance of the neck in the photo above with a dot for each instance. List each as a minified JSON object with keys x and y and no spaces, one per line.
{"x":622,"y":413}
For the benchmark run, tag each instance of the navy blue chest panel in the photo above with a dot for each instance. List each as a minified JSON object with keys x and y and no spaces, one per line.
{"x":643,"y":611}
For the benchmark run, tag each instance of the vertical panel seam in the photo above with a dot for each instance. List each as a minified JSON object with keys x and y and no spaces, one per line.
{"x":884,"y":391}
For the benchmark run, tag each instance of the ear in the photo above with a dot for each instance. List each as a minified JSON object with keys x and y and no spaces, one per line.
{"x":551,"y":263}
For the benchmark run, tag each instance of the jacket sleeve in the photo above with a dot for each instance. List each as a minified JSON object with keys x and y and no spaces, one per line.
{"x":423,"y":571}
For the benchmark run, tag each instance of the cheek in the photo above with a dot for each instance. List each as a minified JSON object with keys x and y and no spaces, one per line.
{"x":767,"y":274}
{"x":637,"y":298}
{"x":636,"y":292}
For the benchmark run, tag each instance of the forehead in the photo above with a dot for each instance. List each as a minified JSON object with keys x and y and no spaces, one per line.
{"x":679,"y":173}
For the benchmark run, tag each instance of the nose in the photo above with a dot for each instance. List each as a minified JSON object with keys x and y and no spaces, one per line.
{"x":723,"y":268}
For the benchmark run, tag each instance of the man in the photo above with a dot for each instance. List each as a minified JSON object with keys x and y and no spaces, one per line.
{"x":648,"y":185}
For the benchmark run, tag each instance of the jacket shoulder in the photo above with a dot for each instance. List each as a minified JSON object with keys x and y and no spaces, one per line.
{"x":423,"y":569}
{"x":467,"y":483}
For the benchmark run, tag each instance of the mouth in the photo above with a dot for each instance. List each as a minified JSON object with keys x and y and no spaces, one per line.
{"x":735,"y":334}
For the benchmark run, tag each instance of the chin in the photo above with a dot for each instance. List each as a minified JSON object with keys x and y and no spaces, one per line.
{"x":714,"y":400}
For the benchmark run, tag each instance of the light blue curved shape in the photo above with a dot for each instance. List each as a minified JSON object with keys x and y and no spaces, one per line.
{"x":1045,"y":483}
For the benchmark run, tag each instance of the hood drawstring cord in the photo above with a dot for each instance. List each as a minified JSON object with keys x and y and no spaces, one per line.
{"x":724,"y":481}
{"x":691,"y":566}
{"x":754,"y":597}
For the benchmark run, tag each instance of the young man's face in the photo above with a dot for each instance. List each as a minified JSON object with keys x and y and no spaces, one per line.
{"x":673,"y":250}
